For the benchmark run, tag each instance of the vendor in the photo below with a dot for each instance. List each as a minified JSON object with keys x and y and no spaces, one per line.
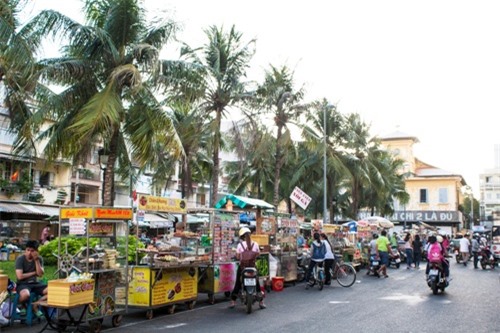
{"x":179,"y":227}
{"x":29,"y":267}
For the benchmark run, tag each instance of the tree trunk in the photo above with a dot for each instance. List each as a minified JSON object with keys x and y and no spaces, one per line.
{"x":215,"y":172}
{"x":277,"y":167}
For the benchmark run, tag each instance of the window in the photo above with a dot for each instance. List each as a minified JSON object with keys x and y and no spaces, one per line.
{"x":423,"y":195}
{"x":43,"y":178}
{"x":443,"y":195}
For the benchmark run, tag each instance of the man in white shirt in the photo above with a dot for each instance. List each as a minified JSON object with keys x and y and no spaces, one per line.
{"x":465,"y":248}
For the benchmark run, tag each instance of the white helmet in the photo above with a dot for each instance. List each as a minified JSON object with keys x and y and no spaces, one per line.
{"x":439,"y":238}
{"x":243,"y":231}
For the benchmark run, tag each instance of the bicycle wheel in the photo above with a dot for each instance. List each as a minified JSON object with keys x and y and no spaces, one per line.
{"x":321,"y":279}
{"x":346,"y":275}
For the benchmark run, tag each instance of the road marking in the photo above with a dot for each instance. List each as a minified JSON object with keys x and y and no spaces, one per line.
{"x":338,"y":302}
{"x":411,"y":299}
{"x":174,"y":326}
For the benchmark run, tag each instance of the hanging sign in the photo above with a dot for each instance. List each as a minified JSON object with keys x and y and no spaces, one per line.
{"x":76,"y":226}
{"x":300,"y":197}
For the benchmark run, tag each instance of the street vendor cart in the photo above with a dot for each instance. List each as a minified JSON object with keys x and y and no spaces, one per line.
{"x":166,"y":275}
{"x":94,"y":277}
{"x":219,"y":274}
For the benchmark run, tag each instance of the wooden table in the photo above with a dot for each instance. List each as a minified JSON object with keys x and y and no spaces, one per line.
{"x":60,"y":319}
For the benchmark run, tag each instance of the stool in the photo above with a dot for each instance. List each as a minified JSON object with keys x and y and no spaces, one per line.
{"x":14,"y":315}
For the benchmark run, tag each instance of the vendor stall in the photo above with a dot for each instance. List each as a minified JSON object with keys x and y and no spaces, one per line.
{"x":166,"y":273}
{"x":96,"y":276}
{"x":219,"y":274}
{"x":264,"y":229}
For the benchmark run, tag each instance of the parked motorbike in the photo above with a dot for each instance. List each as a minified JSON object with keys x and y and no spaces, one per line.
{"x":436,"y":279}
{"x":249,"y":293}
{"x":394,"y":259}
{"x":486,"y":258}
{"x":374,"y":266}
{"x":303,"y":259}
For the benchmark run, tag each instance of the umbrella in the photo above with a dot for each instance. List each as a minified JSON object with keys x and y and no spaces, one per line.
{"x":363,"y":223}
{"x":380,"y":221}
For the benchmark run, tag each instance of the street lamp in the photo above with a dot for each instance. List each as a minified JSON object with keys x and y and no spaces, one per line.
{"x":103,"y":160}
{"x":324,"y":166}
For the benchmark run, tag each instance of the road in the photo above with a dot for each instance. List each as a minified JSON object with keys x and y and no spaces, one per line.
{"x":400,"y":303}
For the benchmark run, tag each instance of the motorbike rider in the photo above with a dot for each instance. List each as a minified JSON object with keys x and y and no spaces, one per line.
{"x":245,"y":243}
{"x":373,"y":253}
{"x":318,"y":252}
{"x":445,"y":264}
{"x":475,"y":249}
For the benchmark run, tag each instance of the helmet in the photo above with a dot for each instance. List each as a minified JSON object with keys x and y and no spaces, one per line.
{"x":244,"y":231}
{"x":439,"y":238}
{"x":375,"y":235}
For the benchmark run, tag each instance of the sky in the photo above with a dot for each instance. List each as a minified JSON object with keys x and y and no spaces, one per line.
{"x":427,"y":68}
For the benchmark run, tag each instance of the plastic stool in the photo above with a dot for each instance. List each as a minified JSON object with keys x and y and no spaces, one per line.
{"x":28,"y":318}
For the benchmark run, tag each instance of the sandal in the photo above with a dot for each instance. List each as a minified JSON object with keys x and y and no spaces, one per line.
{"x":386,"y":276}
{"x":262,"y":305}
{"x":232,"y":304}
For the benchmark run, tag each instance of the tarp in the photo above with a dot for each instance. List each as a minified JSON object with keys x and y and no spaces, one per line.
{"x":243,"y":202}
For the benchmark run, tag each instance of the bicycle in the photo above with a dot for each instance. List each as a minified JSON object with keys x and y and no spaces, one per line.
{"x":345,"y":274}
{"x":318,"y":275}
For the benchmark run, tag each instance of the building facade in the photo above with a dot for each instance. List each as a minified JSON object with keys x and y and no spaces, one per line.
{"x":489,"y":188}
{"x":435,"y":194}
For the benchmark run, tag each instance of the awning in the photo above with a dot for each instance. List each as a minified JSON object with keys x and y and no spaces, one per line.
{"x":23,"y":208}
{"x":194,"y":218}
{"x":243,"y":202}
{"x":157,"y":221}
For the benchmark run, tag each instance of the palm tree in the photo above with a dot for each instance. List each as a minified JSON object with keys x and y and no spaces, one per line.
{"x":276,"y":96}
{"x":107,"y":72}
{"x":18,"y":70}
{"x":224,"y":60}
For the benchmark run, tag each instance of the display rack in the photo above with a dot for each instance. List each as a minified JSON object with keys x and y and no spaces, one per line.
{"x":104,"y":256}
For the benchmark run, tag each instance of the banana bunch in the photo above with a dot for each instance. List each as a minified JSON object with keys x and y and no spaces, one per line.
{"x":262,"y":266}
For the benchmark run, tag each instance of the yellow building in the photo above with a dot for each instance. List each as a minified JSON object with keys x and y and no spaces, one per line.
{"x":435,"y":194}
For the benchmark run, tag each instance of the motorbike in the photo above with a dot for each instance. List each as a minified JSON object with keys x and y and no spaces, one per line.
{"x":374,"y":266}
{"x":303,"y":259}
{"x":458,"y":256}
{"x":394,"y":259}
{"x":436,"y":279}
{"x":486,"y":258}
{"x":249,"y":295}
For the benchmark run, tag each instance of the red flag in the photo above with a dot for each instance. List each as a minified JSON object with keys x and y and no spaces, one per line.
{"x":14,"y":176}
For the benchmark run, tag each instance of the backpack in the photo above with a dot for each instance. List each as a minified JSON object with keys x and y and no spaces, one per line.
{"x":248,"y":257}
{"x":435,"y":254}
{"x":318,"y":251}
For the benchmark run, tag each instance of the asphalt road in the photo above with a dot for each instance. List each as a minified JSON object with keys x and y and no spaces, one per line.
{"x":400,"y":303}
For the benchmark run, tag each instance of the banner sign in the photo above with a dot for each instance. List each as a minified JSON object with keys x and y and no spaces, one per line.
{"x":160,"y":204}
{"x":300,"y":198}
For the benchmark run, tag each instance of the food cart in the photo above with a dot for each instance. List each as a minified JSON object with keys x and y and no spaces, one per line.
{"x":218,"y":275}
{"x":104,"y":258}
{"x":264,"y":229}
{"x":167,"y":276}
{"x":284,"y":245}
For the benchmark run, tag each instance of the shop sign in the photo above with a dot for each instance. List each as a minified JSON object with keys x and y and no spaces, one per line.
{"x":300,"y":197}
{"x":175,"y":286}
{"x":160,"y":204}
{"x":426,"y":216}
{"x":68,"y":213}
{"x":113,"y":213}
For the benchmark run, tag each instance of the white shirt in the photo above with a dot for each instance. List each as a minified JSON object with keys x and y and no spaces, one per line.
{"x":464,"y":245}
{"x":329,"y":252}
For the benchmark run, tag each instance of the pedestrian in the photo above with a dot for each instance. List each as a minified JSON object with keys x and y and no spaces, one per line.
{"x":394,"y":240}
{"x":408,"y":250}
{"x":329,"y":259}
{"x":475,"y":249}
{"x":465,"y":248}
{"x":417,"y":251}
{"x":318,"y":252}
{"x":44,"y":236}
{"x":383,"y":251}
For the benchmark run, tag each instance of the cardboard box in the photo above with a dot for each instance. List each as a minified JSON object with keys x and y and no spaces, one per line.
{"x":262,"y":240}
{"x":64,"y":293}
{"x":4,"y":279}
